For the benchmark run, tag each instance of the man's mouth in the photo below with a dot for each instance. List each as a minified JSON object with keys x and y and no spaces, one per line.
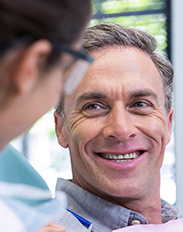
{"x":121,"y":157}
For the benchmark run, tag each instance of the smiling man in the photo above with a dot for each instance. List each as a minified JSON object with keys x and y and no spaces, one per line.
{"x":116,"y":125}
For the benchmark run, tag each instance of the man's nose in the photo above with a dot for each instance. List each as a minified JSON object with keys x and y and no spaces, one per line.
{"x":119,"y":125}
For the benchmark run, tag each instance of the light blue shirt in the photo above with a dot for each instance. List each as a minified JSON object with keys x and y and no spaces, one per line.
{"x":104,"y":215}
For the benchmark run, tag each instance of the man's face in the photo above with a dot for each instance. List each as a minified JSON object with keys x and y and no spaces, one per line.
{"x":116,"y":125}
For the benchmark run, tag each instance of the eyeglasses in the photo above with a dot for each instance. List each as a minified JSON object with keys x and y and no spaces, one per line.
{"x":83,"y":60}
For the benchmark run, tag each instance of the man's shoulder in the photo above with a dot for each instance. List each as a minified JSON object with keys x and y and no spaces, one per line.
{"x":168,"y":211}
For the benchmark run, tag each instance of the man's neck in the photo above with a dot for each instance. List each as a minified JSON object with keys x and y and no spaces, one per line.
{"x":150,"y":209}
{"x":148,"y":205}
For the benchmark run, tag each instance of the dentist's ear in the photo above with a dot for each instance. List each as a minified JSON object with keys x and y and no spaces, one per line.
{"x":170,"y":124}
{"x":26,"y":69}
{"x":60,"y":130}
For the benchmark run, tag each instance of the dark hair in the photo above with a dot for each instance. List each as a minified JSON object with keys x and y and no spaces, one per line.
{"x":60,"y":20}
{"x":22,"y":22}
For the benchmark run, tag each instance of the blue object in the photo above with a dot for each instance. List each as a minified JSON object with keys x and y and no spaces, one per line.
{"x":85,"y":222}
{"x":14,"y":168}
{"x":25,"y":192}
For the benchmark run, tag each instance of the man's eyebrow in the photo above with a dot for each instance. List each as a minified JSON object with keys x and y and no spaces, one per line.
{"x":90,"y":95}
{"x":144,"y":93}
{"x":100,"y":95}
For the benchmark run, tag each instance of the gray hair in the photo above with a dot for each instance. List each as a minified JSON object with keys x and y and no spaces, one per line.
{"x":111,"y":34}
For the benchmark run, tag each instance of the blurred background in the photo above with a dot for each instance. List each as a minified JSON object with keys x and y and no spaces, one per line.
{"x":161,"y":18}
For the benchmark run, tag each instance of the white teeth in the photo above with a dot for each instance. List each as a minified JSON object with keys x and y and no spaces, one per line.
{"x":115,"y":157}
{"x":121,"y":161}
{"x":120,"y":157}
{"x":126,"y":156}
{"x":131,"y":155}
{"x":111,"y":156}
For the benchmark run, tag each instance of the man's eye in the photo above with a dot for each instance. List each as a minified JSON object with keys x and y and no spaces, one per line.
{"x":95,"y":110}
{"x":92,"y":107}
{"x":140,"y":104}
{"x":141,"y":107}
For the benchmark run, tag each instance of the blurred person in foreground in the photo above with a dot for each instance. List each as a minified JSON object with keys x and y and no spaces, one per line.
{"x":116,"y":124}
{"x":39,"y":42}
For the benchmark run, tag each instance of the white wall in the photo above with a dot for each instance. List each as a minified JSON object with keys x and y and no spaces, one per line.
{"x":177,"y":59}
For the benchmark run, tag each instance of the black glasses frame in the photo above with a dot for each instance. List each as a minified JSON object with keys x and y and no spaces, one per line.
{"x":61,"y":47}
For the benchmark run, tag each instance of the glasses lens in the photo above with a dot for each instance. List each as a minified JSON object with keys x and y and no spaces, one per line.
{"x":75,"y":76}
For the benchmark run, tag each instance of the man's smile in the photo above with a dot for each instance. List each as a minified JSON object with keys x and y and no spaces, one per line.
{"x":121,"y":157}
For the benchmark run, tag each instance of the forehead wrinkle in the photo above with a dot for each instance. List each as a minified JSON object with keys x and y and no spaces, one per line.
{"x":144,"y":93}
{"x":90,"y":95}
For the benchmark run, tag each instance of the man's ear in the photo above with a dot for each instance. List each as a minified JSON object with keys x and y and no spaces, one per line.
{"x":170,"y":124}
{"x":60,"y":130}
{"x":26,"y":70}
